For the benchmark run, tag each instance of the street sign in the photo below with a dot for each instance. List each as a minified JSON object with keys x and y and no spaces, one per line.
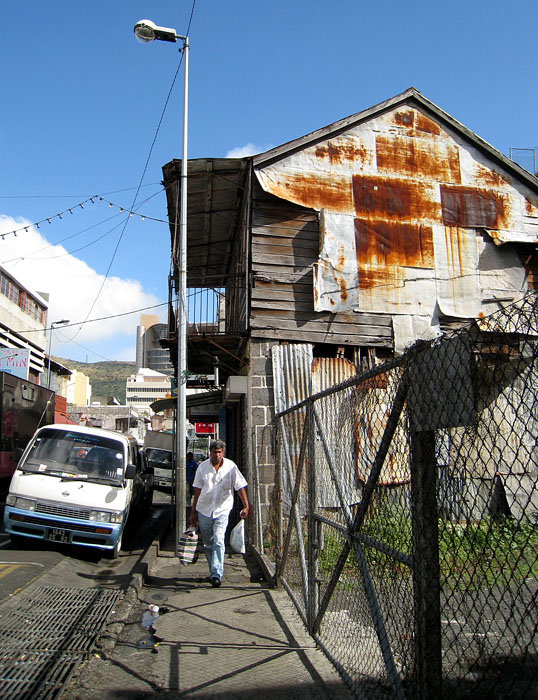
{"x":205,"y":428}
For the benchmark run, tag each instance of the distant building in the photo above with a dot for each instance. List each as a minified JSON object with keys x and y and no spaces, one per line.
{"x":79,"y":389}
{"x":123,"y":419}
{"x":23,"y":321}
{"x":149,"y":352}
{"x":145,"y":387}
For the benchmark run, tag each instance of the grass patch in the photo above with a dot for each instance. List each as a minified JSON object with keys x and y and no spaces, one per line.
{"x":472,"y":555}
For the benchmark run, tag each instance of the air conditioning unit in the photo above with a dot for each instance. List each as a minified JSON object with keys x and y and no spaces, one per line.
{"x":235,"y":388}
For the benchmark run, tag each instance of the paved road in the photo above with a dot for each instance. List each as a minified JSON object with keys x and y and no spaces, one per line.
{"x":73,"y":566}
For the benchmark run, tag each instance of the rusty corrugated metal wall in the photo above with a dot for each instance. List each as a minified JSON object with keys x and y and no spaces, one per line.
{"x":415,"y":221}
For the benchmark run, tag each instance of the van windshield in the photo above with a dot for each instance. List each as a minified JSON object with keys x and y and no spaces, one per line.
{"x":72,"y":455}
{"x":160,"y":459}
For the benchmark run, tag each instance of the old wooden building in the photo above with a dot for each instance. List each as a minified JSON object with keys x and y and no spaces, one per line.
{"x":333,"y":252}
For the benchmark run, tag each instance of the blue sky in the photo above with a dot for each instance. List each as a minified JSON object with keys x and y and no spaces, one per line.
{"x":82,"y":101}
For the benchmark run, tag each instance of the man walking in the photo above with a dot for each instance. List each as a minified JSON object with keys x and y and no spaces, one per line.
{"x":214,"y":485}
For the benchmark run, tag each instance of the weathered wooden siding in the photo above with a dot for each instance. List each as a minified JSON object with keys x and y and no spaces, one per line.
{"x":284,"y":248}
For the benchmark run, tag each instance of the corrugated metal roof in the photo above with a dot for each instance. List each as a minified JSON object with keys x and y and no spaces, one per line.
{"x":214,"y":192}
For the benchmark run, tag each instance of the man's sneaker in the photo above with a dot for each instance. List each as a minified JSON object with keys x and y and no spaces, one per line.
{"x":215,"y":581}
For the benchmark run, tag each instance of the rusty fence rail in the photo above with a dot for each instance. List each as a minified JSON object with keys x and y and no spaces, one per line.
{"x":406,"y":528}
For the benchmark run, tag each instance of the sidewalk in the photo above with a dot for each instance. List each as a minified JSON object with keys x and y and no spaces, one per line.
{"x":241,"y":640}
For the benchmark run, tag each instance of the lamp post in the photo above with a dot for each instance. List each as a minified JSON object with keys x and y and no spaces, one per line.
{"x":54,"y":323}
{"x":146,"y":31}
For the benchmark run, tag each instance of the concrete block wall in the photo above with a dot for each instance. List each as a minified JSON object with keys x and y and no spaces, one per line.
{"x":262,"y":414}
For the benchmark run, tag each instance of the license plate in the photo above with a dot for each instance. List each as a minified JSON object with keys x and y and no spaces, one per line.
{"x":56,"y":535}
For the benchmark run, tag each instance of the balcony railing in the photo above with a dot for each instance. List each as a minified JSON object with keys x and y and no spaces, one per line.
{"x":217,"y":311}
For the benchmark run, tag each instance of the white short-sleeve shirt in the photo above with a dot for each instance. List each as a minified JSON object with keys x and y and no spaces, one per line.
{"x":217,"y":487}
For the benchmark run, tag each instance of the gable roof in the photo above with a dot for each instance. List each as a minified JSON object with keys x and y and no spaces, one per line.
{"x":410,"y":97}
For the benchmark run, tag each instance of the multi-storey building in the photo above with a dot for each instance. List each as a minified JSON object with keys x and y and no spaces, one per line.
{"x":145,"y":387}
{"x":149,"y":352}
{"x":23,"y":320}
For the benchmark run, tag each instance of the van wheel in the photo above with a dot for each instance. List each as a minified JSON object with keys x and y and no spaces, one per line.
{"x":115,"y":553}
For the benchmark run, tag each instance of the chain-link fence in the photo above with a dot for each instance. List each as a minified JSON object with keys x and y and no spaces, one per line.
{"x":406,"y":528}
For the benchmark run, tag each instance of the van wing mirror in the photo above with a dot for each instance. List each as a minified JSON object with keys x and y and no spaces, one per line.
{"x":130,"y":471}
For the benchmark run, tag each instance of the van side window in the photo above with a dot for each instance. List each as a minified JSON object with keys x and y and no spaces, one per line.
{"x":133,"y":456}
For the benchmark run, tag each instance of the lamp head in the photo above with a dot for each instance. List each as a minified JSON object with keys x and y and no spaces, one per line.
{"x":146,"y":31}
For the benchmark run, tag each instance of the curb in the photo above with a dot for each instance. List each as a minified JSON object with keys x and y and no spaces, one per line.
{"x":114,"y":627}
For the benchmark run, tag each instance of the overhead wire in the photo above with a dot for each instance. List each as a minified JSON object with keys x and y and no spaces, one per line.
{"x":28,"y":256}
{"x":141,"y":179}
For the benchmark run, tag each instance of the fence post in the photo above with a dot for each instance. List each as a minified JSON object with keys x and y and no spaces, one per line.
{"x":312,"y":564}
{"x":425,"y":561}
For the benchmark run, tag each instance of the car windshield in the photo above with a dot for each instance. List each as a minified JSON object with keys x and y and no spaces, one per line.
{"x":72,"y":455}
{"x":161,"y":459}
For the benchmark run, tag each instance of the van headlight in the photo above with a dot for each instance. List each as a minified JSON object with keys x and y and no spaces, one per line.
{"x":104,"y":516}
{"x":20,"y":502}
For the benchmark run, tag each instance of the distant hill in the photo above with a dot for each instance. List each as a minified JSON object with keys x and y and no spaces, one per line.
{"x":107,"y":378}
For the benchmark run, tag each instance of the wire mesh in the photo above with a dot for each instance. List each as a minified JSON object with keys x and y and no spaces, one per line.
{"x":409,"y":504}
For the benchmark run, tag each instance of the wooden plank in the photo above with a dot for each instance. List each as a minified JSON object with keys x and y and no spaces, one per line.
{"x":284,"y":248}
{"x":281,"y":275}
{"x":309,"y":336}
{"x":289,"y":227}
{"x":280,"y":324}
{"x":259,"y":297}
{"x":283,"y":236}
{"x":268,"y":266}
{"x":279,"y":312}
{"x":261,"y":286}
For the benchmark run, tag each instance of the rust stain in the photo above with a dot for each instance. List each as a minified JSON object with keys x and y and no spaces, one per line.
{"x":489,"y":178}
{"x":340,"y":153}
{"x":371,"y":277}
{"x":388,"y":244}
{"x":317,"y":191}
{"x":471,"y":207}
{"x":426,"y":125}
{"x":343,"y":289}
{"x":341,"y":256}
{"x":455,"y":256}
{"x":395,"y":199}
{"x":406,"y":118}
{"x":530,"y":209}
{"x":425,"y":158}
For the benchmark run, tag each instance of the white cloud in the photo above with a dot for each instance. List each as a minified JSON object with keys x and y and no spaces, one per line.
{"x":249,"y":150}
{"x":72,"y":286}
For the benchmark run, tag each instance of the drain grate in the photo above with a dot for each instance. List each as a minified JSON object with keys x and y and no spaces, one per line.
{"x":43,"y":641}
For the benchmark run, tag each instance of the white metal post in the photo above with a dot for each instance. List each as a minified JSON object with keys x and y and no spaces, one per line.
{"x":182,"y":320}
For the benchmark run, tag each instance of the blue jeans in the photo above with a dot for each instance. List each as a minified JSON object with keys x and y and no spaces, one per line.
{"x":213,"y":531}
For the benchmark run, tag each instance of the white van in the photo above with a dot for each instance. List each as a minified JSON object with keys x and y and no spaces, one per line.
{"x":78,"y":485}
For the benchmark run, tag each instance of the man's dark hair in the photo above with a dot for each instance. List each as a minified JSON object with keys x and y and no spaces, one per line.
{"x":217,"y":445}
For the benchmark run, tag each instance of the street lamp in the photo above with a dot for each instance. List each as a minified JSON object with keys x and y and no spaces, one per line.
{"x":146,"y":31}
{"x":54,"y":323}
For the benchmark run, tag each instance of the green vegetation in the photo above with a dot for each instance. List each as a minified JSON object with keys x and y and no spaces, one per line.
{"x":107,"y":378}
{"x":488,"y":552}
{"x":472,"y":556}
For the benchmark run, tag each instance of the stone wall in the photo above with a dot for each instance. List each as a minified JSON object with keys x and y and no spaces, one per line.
{"x":262,"y":414}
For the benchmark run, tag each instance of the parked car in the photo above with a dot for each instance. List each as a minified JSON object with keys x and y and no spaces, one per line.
{"x":79,"y":485}
{"x":159,"y":453}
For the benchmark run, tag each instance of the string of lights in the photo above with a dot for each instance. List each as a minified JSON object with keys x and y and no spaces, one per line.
{"x":71,"y":210}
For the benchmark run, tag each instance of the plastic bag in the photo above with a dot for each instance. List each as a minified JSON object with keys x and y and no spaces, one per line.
{"x":237,"y":537}
{"x":187,"y":545}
